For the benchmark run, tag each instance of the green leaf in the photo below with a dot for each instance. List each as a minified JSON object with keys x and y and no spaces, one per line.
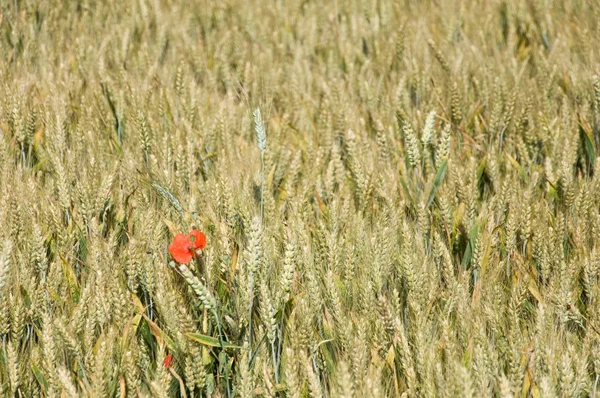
{"x":130,"y":328}
{"x":466,"y":260}
{"x":522,"y":173}
{"x":481,"y":168}
{"x":439,"y":177}
{"x":403,"y":183}
{"x":160,"y":335}
{"x":209,"y":341}
{"x":39,"y":376}
{"x":588,"y":144}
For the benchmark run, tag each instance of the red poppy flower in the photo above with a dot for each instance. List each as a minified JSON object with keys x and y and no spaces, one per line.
{"x":168,"y":360}
{"x":182,"y":248}
{"x":198,"y":239}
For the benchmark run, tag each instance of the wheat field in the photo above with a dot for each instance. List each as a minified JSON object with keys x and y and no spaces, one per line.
{"x":399,"y":198}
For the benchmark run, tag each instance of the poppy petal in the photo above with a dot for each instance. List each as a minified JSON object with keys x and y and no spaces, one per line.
{"x":168,"y":360}
{"x":199,"y":240}
{"x":180,"y":249}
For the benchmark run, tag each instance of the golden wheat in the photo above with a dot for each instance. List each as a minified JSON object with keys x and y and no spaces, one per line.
{"x":400,"y":198}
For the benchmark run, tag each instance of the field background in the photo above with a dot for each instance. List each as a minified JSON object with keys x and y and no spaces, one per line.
{"x":427,"y":171}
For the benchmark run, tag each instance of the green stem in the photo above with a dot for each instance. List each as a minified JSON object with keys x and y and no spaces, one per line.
{"x":275,"y":362}
{"x":262,"y":185}
{"x":250,"y":322}
{"x":220,"y":330}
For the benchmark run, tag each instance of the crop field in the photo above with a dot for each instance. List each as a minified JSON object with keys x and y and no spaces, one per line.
{"x":300,"y":198}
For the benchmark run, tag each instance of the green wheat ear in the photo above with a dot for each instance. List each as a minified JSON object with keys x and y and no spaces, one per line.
{"x":259,"y":129}
{"x":169,"y":196}
{"x":261,"y":141}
